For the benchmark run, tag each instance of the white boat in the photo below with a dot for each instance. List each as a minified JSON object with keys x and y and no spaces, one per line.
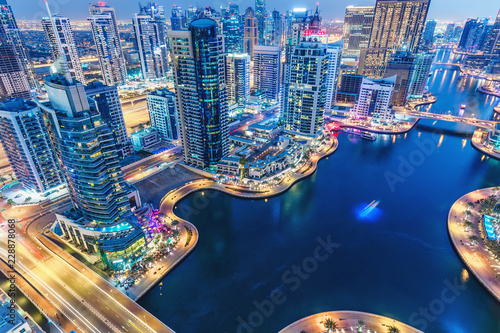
{"x":368,"y":136}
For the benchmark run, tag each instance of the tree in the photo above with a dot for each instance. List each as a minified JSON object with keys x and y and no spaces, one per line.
{"x":473,"y":239}
{"x":393,"y":329}
{"x":3,"y":179}
{"x":467,"y":225}
{"x":330,"y":324}
{"x":360,"y":325}
{"x":174,"y":223}
{"x":303,"y":331}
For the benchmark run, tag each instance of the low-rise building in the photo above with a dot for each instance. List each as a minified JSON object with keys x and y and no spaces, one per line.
{"x":11,"y":321}
{"x":229,"y":165}
{"x":145,"y":139}
{"x":273,"y":164}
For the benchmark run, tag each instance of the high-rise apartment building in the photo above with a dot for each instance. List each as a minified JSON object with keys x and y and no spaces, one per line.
{"x":250,"y":38}
{"x":11,"y":35}
{"x":334,"y":51}
{"x":108,"y":104}
{"x":375,"y":100}
{"x":149,"y":30}
{"x":13,"y":80}
{"x":107,"y":41}
{"x":267,"y":71}
{"x":101,"y":220}
{"x":238,"y":78}
{"x":397,"y":25}
{"x":448,"y":33}
{"x":60,"y":37}
{"x":350,"y":85}
{"x":357,"y":27}
{"x":473,"y":35}
{"x":232,"y":29}
{"x":260,"y":15}
{"x":421,"y":68}
{"x":400,"y":65}
{"x":305,"y":88}
{"x":493,"y":41}
{"x":163,"y":114}
{"x":428,"y":35}
{"x":27,"y":145}
{"x":201,"y":93}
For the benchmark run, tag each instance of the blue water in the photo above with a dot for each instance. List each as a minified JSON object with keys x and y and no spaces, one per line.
{"x":396,"y":261}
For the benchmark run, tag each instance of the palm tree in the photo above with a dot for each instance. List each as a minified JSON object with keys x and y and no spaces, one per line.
{"x":360,"y":326}
{"x":467,"y":225}
{"x":393,"y":329}
{"x":330,"y":324}
{"x":473,"y":239}
{"x":303,"y":331}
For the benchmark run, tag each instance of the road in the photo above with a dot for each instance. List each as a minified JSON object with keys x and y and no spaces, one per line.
{"x":347,"y":320}
{"x":152,"y":165}
{"x":469,"y":121}
{"x":79,"y":294}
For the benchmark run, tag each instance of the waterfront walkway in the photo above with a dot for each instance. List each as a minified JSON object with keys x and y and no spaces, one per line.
{"x":346,"y":321}
{"x":477,"y":143}
{"x":476,"y":257}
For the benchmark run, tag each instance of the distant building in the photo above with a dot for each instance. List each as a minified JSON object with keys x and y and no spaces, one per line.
{"x":178,"y":21}
{"x":233,"y":29}
{"x":250,"y":38}
{"x":473,"y":35}
{"x":145,"y":139}
{"x":492,"y":44}
{"x":428,"y":35}
{"x":150,"y":34}
{"x":60,"y":36}
{"x":357,"y":28}
{"x":28,"y":147}
{"x":163,"y":114}
{"x":260,"y":15}
{"x":267,"y":70}
{"x":107,"y":41}
{"x":448,"y":33}
{"x":10,"y":35}
{"x":375,"y":100}
{"x":400,"y":64}
{"x":304,"y":90}
{"x":421,"y":68}
{"x":397,"y":25}
{"x":238,"y":78}
{"x":109,"y":106}
{"x":201,"y":92}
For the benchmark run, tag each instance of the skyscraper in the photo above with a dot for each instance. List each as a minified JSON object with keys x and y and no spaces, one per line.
{"x":493,"y":41}
{"x":149,"y":30}
{"x":334,"y":51}
{"x":232,"y":29}
{"x":201,"y":92}
{"x":473,"y":35}
{"x":178,"y":21}
{"x":27,"y":144}
{"x":448,"y":33}
{"x":428,"y":34}
{"x":163,"y":114}
{"x":397,"y":25}
{"x":250,"y":38}
{"x":11,"y":35}
{"x":107,"y":41}
{"x":108,"y":104}
{"x":238,"y":78}
{"x":375,"y":100}
{"x":260,"y":15}
{"x":421,"y":68}
{"x":357,"y":27}
{"x":400,"y":65}
{"x":304,"y":88}
{"x":101,"y":221}
{"x":13,"y":80}
{"x":60,"y":36}
{"x":267,"y":71}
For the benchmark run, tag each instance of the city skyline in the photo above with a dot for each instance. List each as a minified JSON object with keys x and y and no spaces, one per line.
{"x":446,"y":10}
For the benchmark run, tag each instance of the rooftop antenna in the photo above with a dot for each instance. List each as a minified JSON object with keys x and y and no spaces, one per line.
{"x":60,"y":65}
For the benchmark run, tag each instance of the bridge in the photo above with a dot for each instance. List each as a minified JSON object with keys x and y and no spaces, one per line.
{"x":447,"y":64}
{"x":489,"y":124}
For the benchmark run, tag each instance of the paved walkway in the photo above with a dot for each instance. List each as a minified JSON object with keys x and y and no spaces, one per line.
{"x":477,"y":143}
{"x":476,"y":257}
{"x":347,"y":320}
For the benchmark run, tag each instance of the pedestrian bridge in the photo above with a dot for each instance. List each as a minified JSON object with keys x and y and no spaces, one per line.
{"x":447,"y":117}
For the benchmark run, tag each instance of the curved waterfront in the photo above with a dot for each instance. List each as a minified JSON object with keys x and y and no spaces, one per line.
{"x":396,"y":261}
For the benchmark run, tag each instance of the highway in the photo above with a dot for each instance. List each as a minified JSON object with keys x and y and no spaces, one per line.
{"x":470,"y":121}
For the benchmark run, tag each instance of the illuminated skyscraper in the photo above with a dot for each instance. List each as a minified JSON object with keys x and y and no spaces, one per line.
{"x":232,"y":29}
{"x":13,"y":80}
{"x":421,"y":68}
{"x":448,"y":33}
{"x":400,"y":65}
{"x":27,"y":145}
{"x":238,"y":78}
{"x":357,"y":27}
{"x":474,"y":34}
{"x":101,"y":220}
{"x":267,"y":71}
{"x":428,"y":34}
{"x":375,"y":100}
{"x":60,"y":36}
{"x":397,"y":25}
{"x":250,"y":38}
{"x":107,"y":41}
{"x":493,"y":40}
{"x":149,"y":29}
{"x":178,"y":21}
{"x":163,"y":114}
{"x":11,"y":35}
{"x":334,"y":51}
{"x":260,"y":15}
{"x":199,"y":75}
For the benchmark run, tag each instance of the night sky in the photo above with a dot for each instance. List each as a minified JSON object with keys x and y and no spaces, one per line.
{"x":330,"y":9}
